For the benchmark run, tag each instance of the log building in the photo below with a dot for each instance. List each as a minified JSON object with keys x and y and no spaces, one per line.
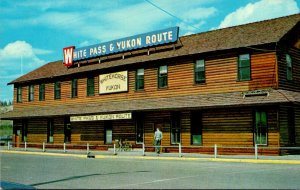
{"x":236,"y":86}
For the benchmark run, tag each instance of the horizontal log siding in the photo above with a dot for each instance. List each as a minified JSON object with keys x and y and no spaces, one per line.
{"x":234,"y":127}
{"x":297,"y":124}
{"x":263,"y":71}
{"x":93,"y":129}
{"x":151,"y":119}
{"x":293,"y":85}
{"x":221,"y":76}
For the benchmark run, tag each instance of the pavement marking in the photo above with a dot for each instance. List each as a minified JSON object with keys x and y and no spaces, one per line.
{"x":155,"y":181}
{"x":237,"y":160}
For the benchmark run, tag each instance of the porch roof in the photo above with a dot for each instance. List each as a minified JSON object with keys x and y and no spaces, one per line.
{"x":200,"y":101}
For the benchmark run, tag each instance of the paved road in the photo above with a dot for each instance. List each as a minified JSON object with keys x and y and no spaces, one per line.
{"x":58,"y":172}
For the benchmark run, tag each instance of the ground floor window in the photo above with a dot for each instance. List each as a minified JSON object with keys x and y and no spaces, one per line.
{"x":50,"y":131}
{"x":175,"y":128}
{"x":261,"y":128}
{"x":139,"y":128}
{"x":108,"y":132}
{"x":196,"y":127}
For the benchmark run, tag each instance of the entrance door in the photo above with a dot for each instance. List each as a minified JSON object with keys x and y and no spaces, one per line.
{"x":108,"y":132}
{"x":261,"y":128}
{"x":68,"y":130}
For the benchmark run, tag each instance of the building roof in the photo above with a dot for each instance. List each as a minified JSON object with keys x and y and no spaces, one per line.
{"x":258,"y":33}
{"x":203,"y":101}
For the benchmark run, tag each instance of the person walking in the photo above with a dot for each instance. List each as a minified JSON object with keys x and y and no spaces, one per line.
{"x":157,"y":140}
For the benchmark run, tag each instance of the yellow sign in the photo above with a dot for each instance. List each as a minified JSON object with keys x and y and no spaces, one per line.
{"x":113,"y":82}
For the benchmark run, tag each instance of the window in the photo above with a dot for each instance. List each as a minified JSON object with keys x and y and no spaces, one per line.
{"x":139,"y":79}
{"x":163,"y":76}
{"x":57,"y":90}
{"x":19,"y":94}
{"x":175,"y":128}
{"x":90,"y":90}
{"x":74,"y":88}
{"x":196,"y":127}
{"x":244,"y":67}
{"x":139,"y":128}
{"x":261,"y":127}
{"x":30,"y":93}
{"x":42,"y":92}
{"x":289,"y":67}
{"x":199,"y":71}
{"x":50,"y":131}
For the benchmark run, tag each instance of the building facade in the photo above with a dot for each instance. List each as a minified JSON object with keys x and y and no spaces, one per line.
{"x":237,"y":86}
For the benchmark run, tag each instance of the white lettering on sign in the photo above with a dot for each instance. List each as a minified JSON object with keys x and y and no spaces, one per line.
{"x":154,"y":38}
{"x":68,"y":56}
{"x":113,"y":82}
{"x":101,"y":117}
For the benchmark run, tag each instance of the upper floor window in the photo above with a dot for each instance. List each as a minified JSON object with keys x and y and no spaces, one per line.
{"x":90,"y":89}
{"x":74,"y":84}
{"x":289,"y":67}
{"x":163,"y":76}
{"x":30,"y":93}
{"x":199,"y":71}
{"x":244,"y":67}
{"x":19,"y":94}
{"x":139,"y":79}
{"x":57,"y":90}
{"x":42,"y":92}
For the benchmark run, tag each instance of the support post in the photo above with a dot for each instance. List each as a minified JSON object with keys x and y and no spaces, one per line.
{"x":179,"y":147}
{"x":256,"y":152}
{"x":65,"y":147}
{"x":44,"y":147}
{"x":115,"y":153}
{"x":8,"y":145}
{"x":25,"y":146}
{"x":87,"y":148}
{"x":143,"y":149}
{"x":216,"y":151}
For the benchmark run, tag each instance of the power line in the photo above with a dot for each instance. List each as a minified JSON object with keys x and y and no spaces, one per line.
{"x":170,"y":14}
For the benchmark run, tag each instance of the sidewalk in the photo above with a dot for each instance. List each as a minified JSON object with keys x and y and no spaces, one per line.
{"x":138,"y":154}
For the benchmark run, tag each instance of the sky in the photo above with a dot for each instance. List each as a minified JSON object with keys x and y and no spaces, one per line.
{"x":34,"y":32}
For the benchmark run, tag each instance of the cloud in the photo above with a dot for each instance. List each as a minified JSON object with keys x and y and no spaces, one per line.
{"x":261,"y":10}
{"x":19,"y":57}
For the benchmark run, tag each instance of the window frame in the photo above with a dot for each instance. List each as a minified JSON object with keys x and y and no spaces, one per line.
{"x":74,"y":88}
{"x":162,"y":78}
{"x":19,"y":94}
{"x":42,"y":92}
{"x":30,"y":93}
{"x":90,"y":86}
{"x":57,"y":90}
{"x":140,"y":79}
{"x":198,"y":70}
{"x":244,"y":68}
{"x":289,"y":67}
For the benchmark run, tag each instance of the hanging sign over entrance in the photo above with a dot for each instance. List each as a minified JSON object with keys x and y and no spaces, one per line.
{"x":149,"y":39}
{"x":117,"y":116}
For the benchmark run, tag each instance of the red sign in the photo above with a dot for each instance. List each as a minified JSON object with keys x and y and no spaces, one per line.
{"x":68,"y":55}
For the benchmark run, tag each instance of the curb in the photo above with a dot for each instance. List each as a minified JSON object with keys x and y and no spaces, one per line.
{"x":258,"y":161}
